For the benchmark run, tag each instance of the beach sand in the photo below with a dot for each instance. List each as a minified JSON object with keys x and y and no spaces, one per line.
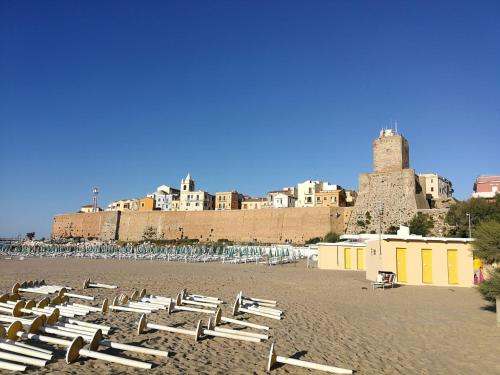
{"x":331,"y":317}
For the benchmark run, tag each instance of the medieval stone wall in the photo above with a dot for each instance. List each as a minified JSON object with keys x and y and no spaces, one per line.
{"x":438,"y":216}
{"x":101,"y":225}
{"x":294,"y":225}
{"x":397,"y":194}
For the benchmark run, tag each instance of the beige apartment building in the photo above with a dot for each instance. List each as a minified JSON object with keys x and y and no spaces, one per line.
{"x":121,"y":205}
{"x":435,"y":186}
{"x":331,"y":198}
{"x":254,"y":203}
{"x":88,"y":208}
{"x":228,"y":200}
{"x":306,"y":193}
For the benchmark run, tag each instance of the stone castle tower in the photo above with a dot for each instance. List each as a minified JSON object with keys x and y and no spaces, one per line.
{"x":391,"y":195}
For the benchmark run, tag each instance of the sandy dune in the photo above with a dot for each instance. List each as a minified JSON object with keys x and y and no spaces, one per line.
{"x":332,"y":317}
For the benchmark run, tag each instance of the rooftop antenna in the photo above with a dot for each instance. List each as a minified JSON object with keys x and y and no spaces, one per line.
{"x":396,"y":125}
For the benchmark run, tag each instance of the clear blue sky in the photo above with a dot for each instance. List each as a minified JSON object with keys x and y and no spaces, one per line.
{"x":246,"y":95}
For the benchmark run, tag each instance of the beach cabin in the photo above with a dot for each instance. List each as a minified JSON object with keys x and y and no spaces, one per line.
{"x":348,"y":255}
{"x":416,"y":260}
{"x":439,"y":261}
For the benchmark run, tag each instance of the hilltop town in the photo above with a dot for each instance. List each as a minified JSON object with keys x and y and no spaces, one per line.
{"x":392,"y":195}
{"x":309,"y":193}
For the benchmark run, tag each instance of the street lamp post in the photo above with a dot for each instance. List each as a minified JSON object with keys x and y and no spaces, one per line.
{"x":470,"y":231}
{"x":381,"y":214}
{"x":95,"y":192}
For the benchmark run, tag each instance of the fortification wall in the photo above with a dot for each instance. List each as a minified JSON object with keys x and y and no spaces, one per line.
{"x":101,"y":225}
{"x":397,"y":192}
{"x":294,"y":225}
{"x":438,"y":216}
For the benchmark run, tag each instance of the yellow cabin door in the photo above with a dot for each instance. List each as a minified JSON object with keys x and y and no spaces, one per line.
{"x":452,"y":267}
{"x":361,"y":258}
{"x":401,"y":264}
{"x":347,"y":258}
{"x":427,"y":266}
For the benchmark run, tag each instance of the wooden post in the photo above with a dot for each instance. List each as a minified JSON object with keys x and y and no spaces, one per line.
{"x":104,"y":328}
{"x":95,"y":340}
{"x":219,"y":318}
{"x":23,"y":359}
{"x":76,"y":350}
{"x":88,"y":284}
{"x":237,"y":309}
{"x":143,"y":325}
{"x":178,"y":306}
{"x":273,"y":358}
{"x":64,"y":292}
{"x":25,"y":350}
{"x":211,"y":332}
{"x":270,"y":302}
{"x":115,"y":306}
{"x":11,"y":366}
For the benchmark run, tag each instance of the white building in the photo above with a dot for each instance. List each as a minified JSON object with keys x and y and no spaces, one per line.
{"x":435,"y":186}
{"x":122,"y":205}
{"x":280,"y":199}
{"x":163,"y":196}
{"x":306,"y":193}
{"x":191,"y":200}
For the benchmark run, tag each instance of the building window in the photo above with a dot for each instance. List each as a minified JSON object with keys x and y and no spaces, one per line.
{"x":432,"y":189}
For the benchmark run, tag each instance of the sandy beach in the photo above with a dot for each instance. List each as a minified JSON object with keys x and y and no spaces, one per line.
{"x":331,"y":317}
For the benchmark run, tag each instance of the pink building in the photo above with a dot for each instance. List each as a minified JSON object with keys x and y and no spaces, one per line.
{"x":486,"y":187}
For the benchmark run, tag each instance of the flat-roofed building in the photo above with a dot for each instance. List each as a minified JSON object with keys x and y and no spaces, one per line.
{"x":416,"y":260}
{"x":306,"y":193}
{"x":228,"y":200}
{"x":331,"y":198}
{"x":435,"y":186}
{"x":486,"y":187}
{"x":145,"y":204}
{"x":88,"y":208}
{"x":280,"y":199}
{"x":121,"y":205}
{"x":163,"y":196}
{"x":254,"y":203}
